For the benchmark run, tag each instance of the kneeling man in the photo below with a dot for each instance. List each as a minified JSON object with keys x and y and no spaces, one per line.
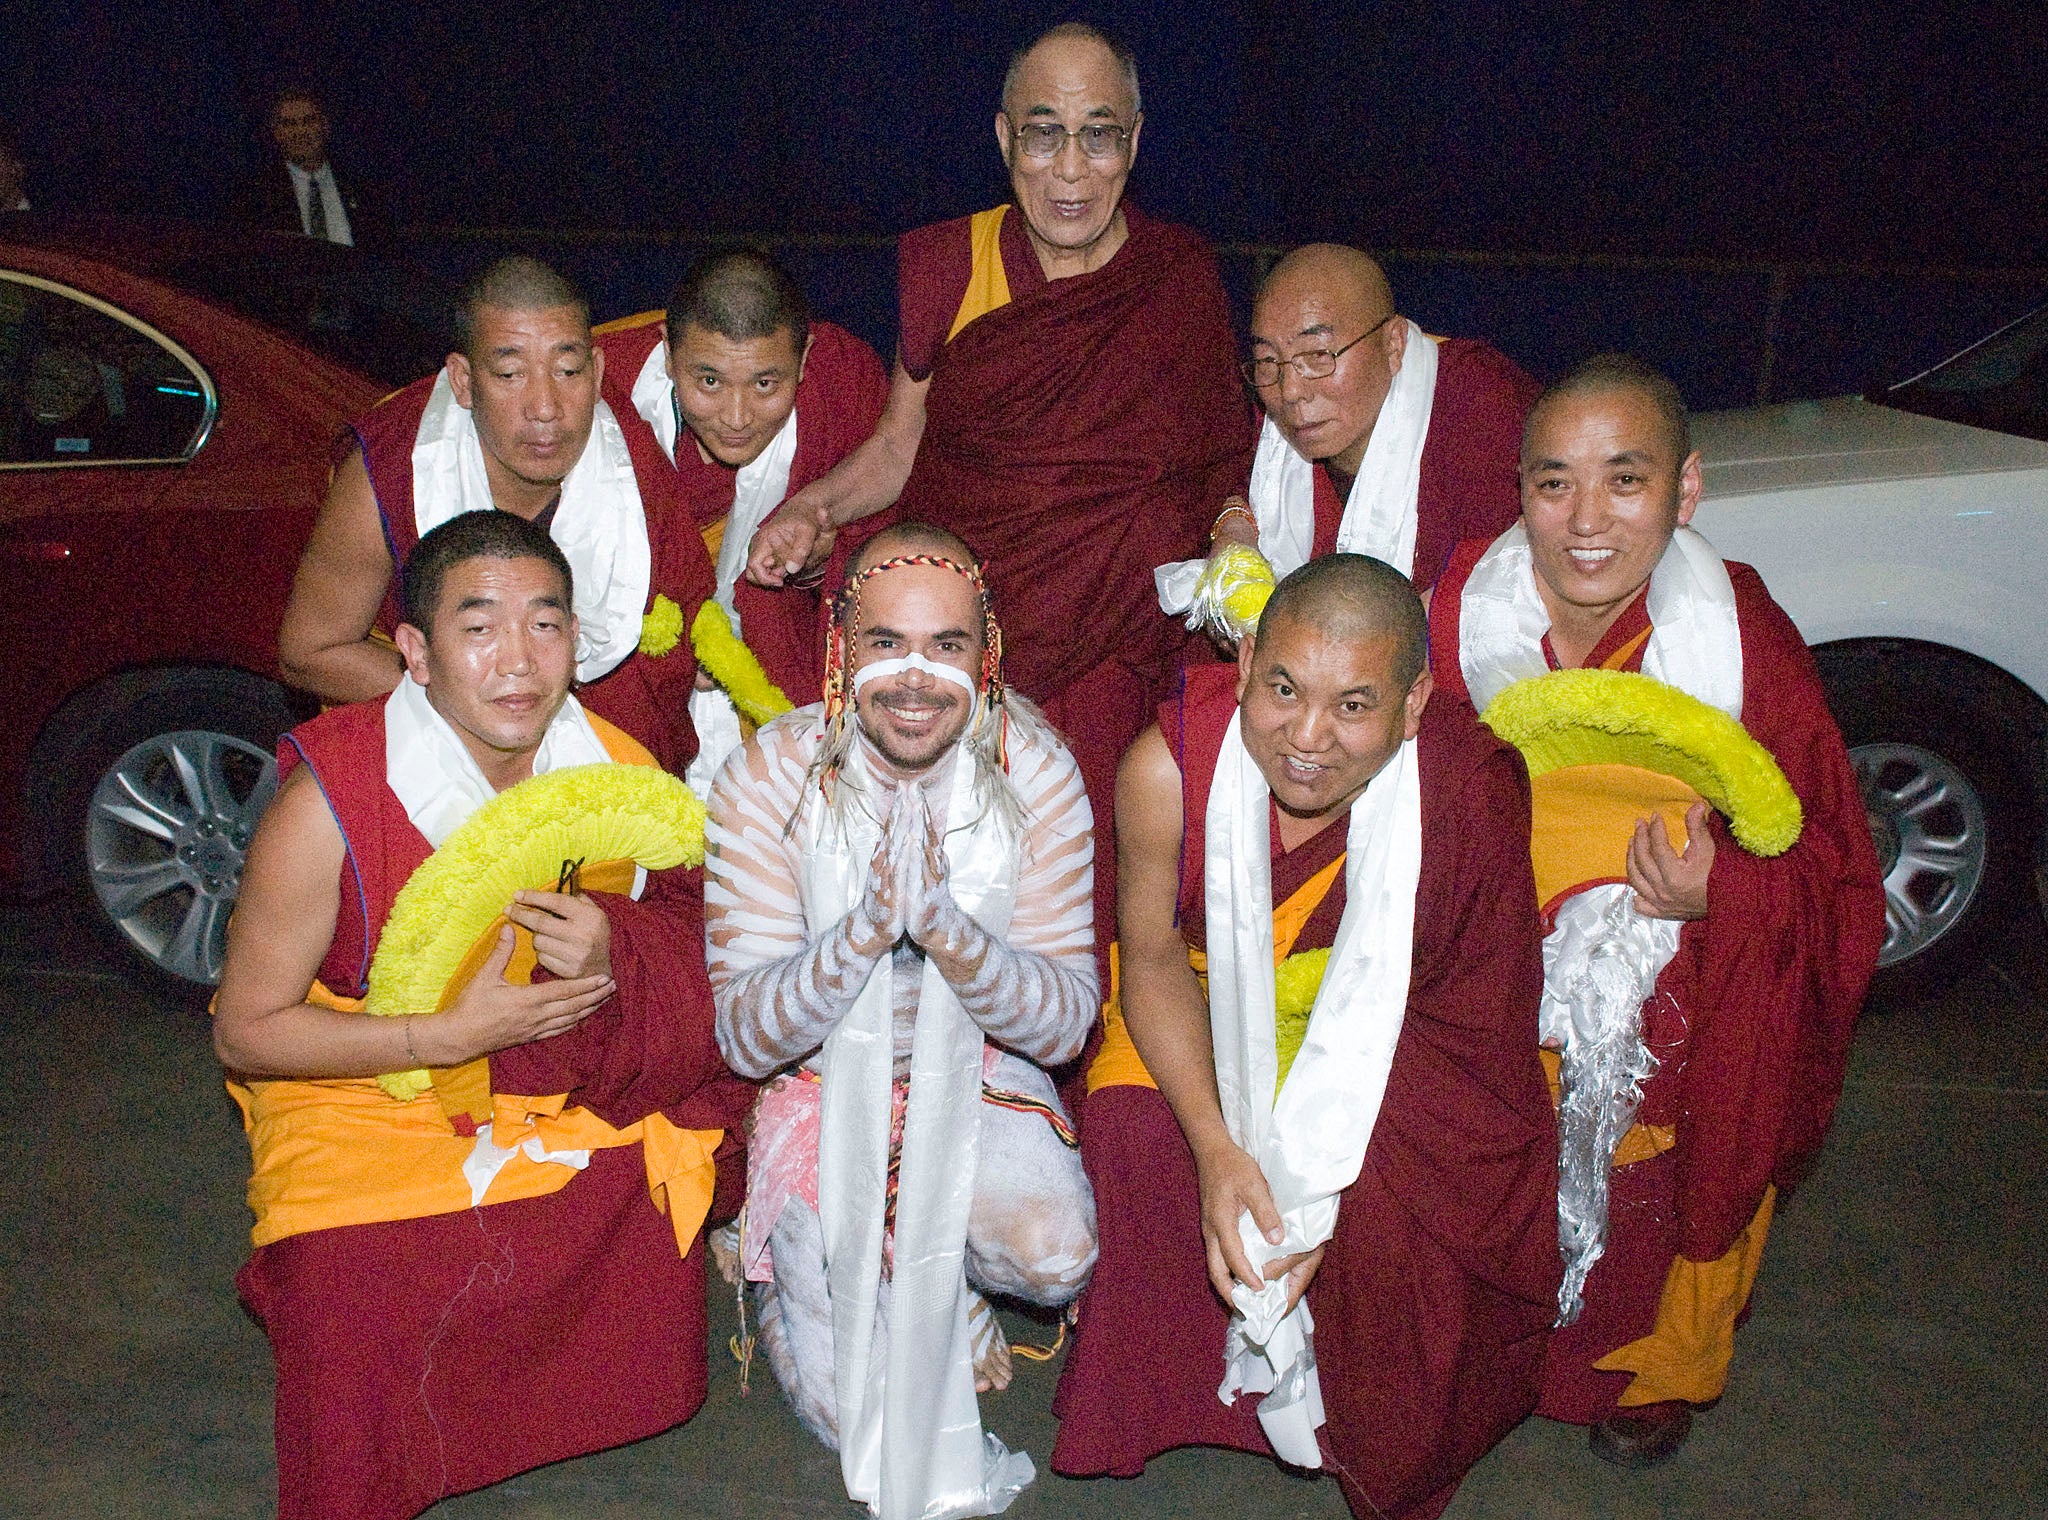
{"x":898,"y":908}
{"x":1364,"y":1153}
{"x":461,"y":1283}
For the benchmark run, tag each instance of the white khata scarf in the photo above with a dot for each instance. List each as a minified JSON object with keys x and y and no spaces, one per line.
{"x":439,"y":784}
{"x":911,"y":1442}
{"x":1310,"y":1140}
{"x":1603,"y":958}
{"x":600,"y":526}
{"x":759,"y":489}
{"x":1379,"y":514}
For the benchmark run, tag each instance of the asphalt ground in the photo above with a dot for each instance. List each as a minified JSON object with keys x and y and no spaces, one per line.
{"x":1889,"y":1368}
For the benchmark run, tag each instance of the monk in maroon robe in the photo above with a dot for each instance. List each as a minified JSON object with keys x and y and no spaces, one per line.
{"x":1327,"y":349}
{"x":1063,"y":400}
{"x":426,"y":1345}
{"x":1433,"y":1297}
{"x":1750,"y":1023}
{"x":739,"y":337}
{"x":525,"y":381}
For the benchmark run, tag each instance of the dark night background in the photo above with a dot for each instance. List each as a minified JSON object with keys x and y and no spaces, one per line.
{"x":1552,"y":138}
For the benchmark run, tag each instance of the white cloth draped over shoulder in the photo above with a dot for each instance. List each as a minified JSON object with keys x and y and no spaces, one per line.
{"x":1602,"y":958}
{"x":1310,"y":1139}
{"x":600,"y":526}
{"x":1379,"y":514}
{"x":911,"y":1442}
{"x":759,"y":487}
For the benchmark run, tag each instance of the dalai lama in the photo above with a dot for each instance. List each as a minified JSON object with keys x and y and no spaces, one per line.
{"x":513,"y":422}
{"x":1064,"y":400}
{"x":751,"y":398}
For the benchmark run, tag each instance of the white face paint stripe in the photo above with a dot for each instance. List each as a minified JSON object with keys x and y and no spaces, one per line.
{"x":901,"y":663}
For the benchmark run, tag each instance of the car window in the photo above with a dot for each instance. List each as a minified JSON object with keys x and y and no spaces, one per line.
{"x":2000,"y":383}
{"x":83,"y":384}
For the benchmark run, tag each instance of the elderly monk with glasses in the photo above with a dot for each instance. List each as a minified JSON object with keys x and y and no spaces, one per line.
{"x":1064,"y":399}
{"x":1377,"y":439}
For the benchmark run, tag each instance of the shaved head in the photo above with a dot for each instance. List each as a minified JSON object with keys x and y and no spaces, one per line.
{"x":1351,"y":598}
{"x":904,"y":538}
{"x":1605,"y":374}
{"x":515,"y":283}
{"x":1343,"y":271}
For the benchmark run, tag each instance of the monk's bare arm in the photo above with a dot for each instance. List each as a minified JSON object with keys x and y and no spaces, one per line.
{"x":284,"y":921}
{"x":324,"y":646}
{"x":799,"y":535}
{"x":1163,"y":1002}
{"x":1167,"y":1012}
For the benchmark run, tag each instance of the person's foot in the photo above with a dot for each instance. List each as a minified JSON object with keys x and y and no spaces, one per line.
{"x":992,"y":1364}
{"x":725,"y":1251}
{"x":1642,"y":1436}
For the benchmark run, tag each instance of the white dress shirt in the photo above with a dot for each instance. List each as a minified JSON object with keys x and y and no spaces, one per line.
{"x":305,"y":185}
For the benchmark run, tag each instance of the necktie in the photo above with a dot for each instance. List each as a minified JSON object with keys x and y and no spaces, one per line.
{"x":316,"y":209}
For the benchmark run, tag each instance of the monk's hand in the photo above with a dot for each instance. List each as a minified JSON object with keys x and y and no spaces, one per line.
{"x":797,"y":537}
{"x":492,"y":1013}
{"x":1669,"y":884}
{"x":1299,"y":1269}
{"x":571,"y":935}
{"x":1231,"y":1186}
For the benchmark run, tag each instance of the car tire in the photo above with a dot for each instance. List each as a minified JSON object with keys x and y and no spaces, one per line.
{"x":156,"y":806}
{"x":1943,"y":748}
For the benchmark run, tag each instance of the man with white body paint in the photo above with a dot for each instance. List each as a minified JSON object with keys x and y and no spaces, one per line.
{"x":898,"y":914}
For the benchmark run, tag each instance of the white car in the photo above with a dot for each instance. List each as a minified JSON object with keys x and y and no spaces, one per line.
{"x":1907,"y":535}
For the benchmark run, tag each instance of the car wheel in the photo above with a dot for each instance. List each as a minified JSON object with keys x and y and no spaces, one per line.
{"x":1941,"y":746}
{"x":162,"y":804}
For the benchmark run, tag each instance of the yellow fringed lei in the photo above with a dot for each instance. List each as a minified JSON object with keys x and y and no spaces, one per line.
{"x":661,"y":628}
{"x":517,"y":842}
{"x":734,"y":666}
{"x":1618,"y":717}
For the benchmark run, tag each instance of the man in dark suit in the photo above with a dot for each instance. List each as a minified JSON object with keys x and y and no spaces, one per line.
{"x":304,"y":193}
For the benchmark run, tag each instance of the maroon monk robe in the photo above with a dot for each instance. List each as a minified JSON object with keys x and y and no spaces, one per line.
{"x":1751,"y":1021}
{"x":426,"y":1357}
{"x":647,"y":697}
{"x":838,"y":403}
{"x":1077,"y":438}
{"x":1470,"y":485}
{"x":1439,"y":1284}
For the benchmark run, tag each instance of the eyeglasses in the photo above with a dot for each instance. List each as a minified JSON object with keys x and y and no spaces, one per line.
{"x":1046,"y":139}
{"x":1310,"y":364}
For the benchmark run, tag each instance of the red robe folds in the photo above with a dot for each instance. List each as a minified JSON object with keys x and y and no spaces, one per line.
{"x":1470,"y":486}
{"x":1751,"y":1021}
{"x":1078,"y":437}
{"x":838,"y":403}
{"x":647,"y":697}
{"x":1437,"y":1290}
{"x":427,"y":1356}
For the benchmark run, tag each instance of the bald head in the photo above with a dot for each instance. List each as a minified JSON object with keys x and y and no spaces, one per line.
{"x":1353,"y":598}
{"x":1342,"y":271}
{"x":516,"y":283}
{"x":904,"y":538}
{"x":1606,"y":374}
{"x":1329,"y":307}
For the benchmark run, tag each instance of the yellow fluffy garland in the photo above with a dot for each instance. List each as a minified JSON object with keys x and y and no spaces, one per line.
{"x":1295,"y":986}
{"x":1617,"y":717}
{"x":517,"y":842}
{"x":733,"y":666}
{"x":661,"y":628}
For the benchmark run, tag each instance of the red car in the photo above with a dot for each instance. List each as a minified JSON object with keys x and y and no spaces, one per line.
{"x":170,"y":402}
